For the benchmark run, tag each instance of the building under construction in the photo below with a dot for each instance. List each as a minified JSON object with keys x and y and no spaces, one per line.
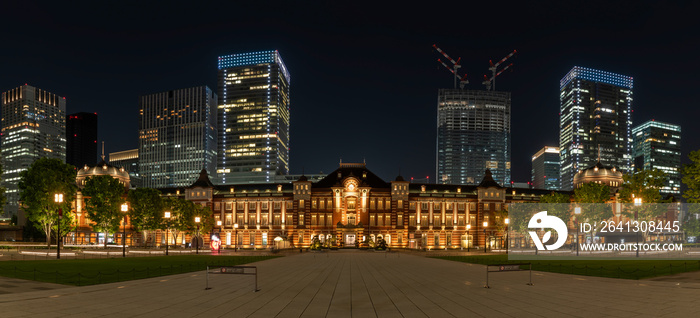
{"x":473,"y":129}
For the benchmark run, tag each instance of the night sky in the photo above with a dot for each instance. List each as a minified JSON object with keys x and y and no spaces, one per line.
{"x":364,"y":77}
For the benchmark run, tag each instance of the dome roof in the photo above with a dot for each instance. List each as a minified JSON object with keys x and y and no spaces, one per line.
{"x":102,"y":169}
{"x":600,"y":174}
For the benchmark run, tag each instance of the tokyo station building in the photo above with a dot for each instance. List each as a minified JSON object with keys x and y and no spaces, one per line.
{"x":348,"y":206}
{"x":352,"y":204}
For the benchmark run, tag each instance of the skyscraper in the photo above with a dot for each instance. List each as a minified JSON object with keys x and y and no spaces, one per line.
{"x":81,"y":139}
{"x":595,"y":118}
{"x":545,"y":169}
{"x":177,"y":136}
{"x":473,"y":134}
{"x":253,"y":117}
{"x":33,"y":126}
{"x":657,"y":145}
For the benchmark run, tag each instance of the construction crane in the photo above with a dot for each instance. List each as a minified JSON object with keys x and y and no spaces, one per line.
{"x":491,"y":82}
{"x":455,"y":67}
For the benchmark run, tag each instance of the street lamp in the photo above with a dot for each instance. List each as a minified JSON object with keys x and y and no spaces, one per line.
{"x":486,"y":224}
{"x":167,"y":228}
{"x":125,"y":207}
{"x":196,"y":220}
{"x":218,"y":223}
{"x":235,"y":237}
{"x":577,"y":212}
{"x":637,"y":202}
{"x":507,"y":221}
{"x":469,"y":227}
{"x":58,"y":198}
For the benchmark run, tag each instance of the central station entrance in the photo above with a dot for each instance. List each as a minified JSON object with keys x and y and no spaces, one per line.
{"x":350,"y":239}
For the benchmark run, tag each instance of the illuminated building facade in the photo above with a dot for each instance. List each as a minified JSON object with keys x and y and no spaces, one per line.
{"x":253,"y":118}
{"x":473,"y":134}
{"x":347,"y":207}
{"x":177,"y":136}
{"x":352,"y":204}
{"x":81,"y":139}
{"x":657,"y":145}
{"x":545,"y":168}
{"x":129,"y":160}
{"x":595,"y":117}
{"x":33,"y":126}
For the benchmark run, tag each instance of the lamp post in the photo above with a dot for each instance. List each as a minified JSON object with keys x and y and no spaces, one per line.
{"x":469,"y":227}
{"x":218,"y":223}
{"x":125,"y":207}
{"x":486,"y":224}
{"x":58,"y":198}
{"x":167,"y":228}
{"x":196,"y":220}
{"x":235,"y":237}
{"x":507,"y":221}
{"x":577,"y":212}
{"x":637,"y":203}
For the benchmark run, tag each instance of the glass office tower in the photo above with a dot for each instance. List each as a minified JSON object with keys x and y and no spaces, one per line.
{"x":595,"y":121}
{"x":473,"y":134}
{"x":177,"y":136}
{"x":545,"y":169}
{"x":253,"y":118}
{"x":33,"y":126}
{"x":657,"y":145}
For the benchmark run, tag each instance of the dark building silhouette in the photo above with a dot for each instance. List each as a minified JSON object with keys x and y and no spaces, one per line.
{"x":81,"y":139}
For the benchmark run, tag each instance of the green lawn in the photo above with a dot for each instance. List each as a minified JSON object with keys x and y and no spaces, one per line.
{"x":627,"y":269}
{"x":83,"y":272}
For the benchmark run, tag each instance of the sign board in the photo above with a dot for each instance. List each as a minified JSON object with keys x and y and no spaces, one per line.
{"x":503,"y":268}
{"x":232,"y":270}
{"x":491,"y":268}
{"x":241,"y":270}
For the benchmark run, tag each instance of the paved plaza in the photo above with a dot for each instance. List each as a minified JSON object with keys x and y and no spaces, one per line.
{"x":360,"y":284}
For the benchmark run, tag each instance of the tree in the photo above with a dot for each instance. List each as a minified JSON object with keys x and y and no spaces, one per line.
{"x":643,"y":184}
{"x":556,"y":204}
{"x":103,"y":199}
{"x":595,"y":194}
{"x":691,"y":177}
{"x":206,"y":220}
{"x":315,"y":243}
{"x":182,"y":214}
{"x":37,"y":186}
{"x":381,"y":244}
{"x":146,"y":211}
{"x":691,"y":226}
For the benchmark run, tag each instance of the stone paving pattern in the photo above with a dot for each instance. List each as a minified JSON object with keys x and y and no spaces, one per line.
{"x":360,"y":284}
